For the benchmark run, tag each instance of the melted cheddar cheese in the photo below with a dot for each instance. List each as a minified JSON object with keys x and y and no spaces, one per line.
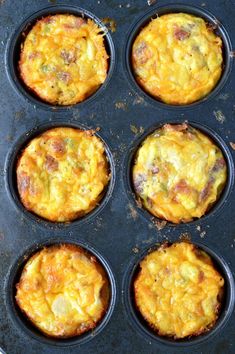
{"x":63,"y":59}
{"x":178,"y":173}
{"x":178,"y":290}
{"x":177,"y":58}
{"x":62,"y":174}
{"x":63,"y":291}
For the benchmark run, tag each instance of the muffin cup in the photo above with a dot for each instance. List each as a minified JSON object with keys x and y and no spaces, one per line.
{"x":17,"y":38}
{"x":176,"y":8}
{"x":129,"y":161}
{"x":21,"y":321}
{"x":11,"y":184}
{"x":141,"y":326}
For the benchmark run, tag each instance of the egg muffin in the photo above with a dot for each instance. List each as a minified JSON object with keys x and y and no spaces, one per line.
{"x":178,"y":173}
{"x":63,"y":291}
{"x":177,"y":58}
{"x":62,"y":174}
{"x":178,"y":290}
{"x":63,"y":59}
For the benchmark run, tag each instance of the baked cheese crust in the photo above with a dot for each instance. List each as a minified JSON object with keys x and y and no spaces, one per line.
{"x":178,"y":173}
{"x":177,"y":58}
{"x":62,"y":173}
{"x":63,"y":59}
{"x":63,"y":290}
{"x":178,"y":290}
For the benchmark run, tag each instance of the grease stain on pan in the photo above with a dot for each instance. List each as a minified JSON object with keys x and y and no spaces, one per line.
{"x":2,"y":236}
{"x":20,"y":114}
{"x":131,"y":212}
{"x":98,"y":223}
{"x":223,"y":96}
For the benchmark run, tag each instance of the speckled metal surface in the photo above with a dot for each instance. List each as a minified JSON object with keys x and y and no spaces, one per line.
{"x":119,"y":230}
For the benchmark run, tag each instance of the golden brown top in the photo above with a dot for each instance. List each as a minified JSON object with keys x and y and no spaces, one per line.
{"x":178,"y":290}
{"x":179,"y":173}
{"x":62,"y":173}
{"x":177,"y":58}
{"x":63,"y":291}
{"x":63,"y":59}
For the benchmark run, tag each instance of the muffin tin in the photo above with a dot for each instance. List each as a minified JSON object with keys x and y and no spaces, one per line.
{"x":118,"y":232}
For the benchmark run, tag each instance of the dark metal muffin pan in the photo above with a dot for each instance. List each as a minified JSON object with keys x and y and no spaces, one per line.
{"x":118,"y":230}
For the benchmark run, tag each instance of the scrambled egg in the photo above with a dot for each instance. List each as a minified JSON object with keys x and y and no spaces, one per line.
{"x":178,"y":290}
{"x":63,"y":59}
{"x":62,"y":174}
{"x":178,"y":173}
{"x":63,"y":291}
{"x":177,"y":58}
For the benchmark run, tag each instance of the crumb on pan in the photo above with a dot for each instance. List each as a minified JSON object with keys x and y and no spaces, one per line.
{"x":219,"y":116}
{"x":232,"y":145}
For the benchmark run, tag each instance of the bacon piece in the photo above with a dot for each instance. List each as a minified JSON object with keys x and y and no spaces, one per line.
{"x":206,"y":191}
{"x":182,"y":187}
{"x":34,"y":55}
{"x":68,"y":56}
{"x":176,"y":127}
{"x":142,"y":54}
{"x":48,"y":19}
{"x":51,"y":163}
{"x":64,"y":76}
{"x":201,"y":276}
{"x":138,"y":182}
{"x":180,"y":33}
{"x":79,"y":22}
{"x":76,"y":24}
{"x":58,"y":146}
{"x":155,"y":170}
{"x":149,"y":202}
{"x":23,"y":182}
{"x":219,"y":165}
